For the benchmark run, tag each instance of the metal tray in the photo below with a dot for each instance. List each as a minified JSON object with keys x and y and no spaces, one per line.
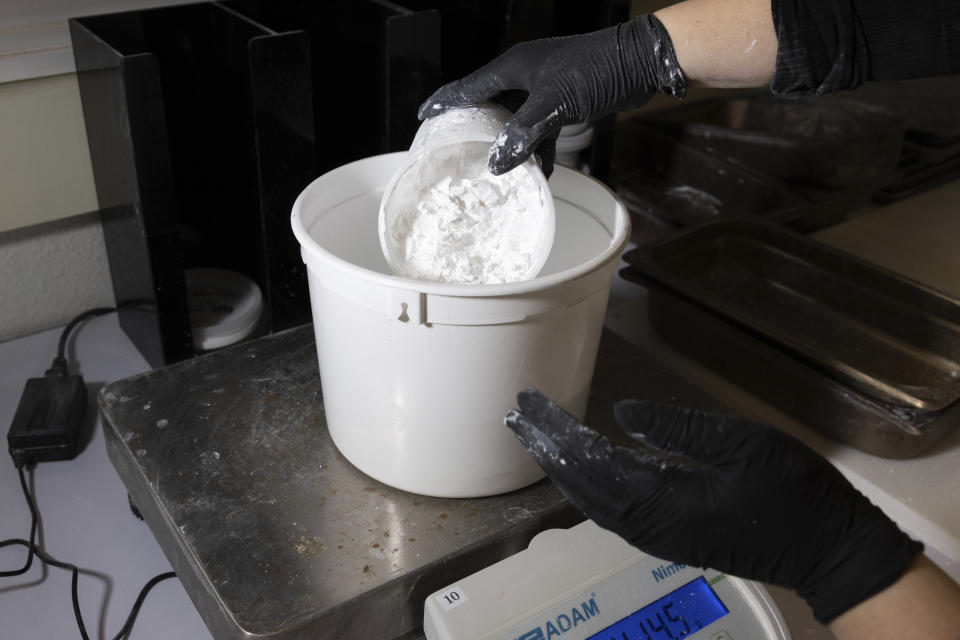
{"x":929,"y":106}
{"x":846,"y":347}
{"x":810,"y":142}
{"x":684,"y":186}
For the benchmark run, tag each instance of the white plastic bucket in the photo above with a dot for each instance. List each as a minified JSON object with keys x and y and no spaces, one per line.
{"x":417,"y":376}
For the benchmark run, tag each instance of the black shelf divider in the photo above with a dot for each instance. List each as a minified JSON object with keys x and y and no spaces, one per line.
{"x":200,"y":133}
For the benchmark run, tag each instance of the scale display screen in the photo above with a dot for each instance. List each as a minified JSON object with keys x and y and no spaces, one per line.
{"x":679,"y":614}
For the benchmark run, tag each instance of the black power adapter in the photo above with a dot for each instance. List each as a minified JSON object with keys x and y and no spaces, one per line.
{"x":47,"y":427}
{"x":47,"y":423}
{"x":49,"y":418}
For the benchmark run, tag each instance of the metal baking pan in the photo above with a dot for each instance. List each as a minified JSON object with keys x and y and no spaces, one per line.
{"x":683,"y":186}
{"x":813,"y":142}
{"x":919,"y":178}
{"x":929,"y":106}
{"x":846,"y":347}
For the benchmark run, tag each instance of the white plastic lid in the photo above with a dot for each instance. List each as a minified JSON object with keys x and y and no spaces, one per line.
{"x":575,"y":141}
{"x":573,"y":129}
{"x":225,"y":307}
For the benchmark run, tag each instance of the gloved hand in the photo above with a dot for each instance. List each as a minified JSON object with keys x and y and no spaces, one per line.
{"x":722,"y":492}
{"x":568,"y":80}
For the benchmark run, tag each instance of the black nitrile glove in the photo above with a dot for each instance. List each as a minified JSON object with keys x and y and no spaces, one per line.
{"x":568,"y":80}
{"x":722,"y":492}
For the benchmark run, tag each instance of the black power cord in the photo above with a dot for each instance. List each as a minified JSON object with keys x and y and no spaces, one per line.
{"x":33,"y":530}
{"x":45,"y":409}
{"x":65,"y":334}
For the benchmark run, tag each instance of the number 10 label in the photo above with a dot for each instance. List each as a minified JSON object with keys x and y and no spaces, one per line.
{"x":451,"y":598}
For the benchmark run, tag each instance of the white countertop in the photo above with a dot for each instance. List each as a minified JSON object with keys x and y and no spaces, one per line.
{"x":84,"y":513}
{"x":86,"y":519}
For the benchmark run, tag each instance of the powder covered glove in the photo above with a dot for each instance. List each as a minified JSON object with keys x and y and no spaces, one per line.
{"x":722,"y":492}
{"x":567,"y":80}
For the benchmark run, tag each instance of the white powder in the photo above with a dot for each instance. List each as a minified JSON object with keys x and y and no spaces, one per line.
{"x":451,"y":220}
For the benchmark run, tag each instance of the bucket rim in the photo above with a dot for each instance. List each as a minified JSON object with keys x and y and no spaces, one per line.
{"x":621,"y":234}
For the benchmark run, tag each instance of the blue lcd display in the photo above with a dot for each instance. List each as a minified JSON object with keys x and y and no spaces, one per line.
{"x":679,"y":614}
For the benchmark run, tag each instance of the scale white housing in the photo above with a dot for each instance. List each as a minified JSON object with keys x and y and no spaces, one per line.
{"x":571,"y":584}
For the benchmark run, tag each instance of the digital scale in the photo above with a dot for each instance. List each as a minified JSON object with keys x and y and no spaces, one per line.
{"x":274,"y":534}
{"x":586,"y":583}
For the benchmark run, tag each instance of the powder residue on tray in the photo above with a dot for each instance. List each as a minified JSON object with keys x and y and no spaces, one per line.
{"x":458,"y":223}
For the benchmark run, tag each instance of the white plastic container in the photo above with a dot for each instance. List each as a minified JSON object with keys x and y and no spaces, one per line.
{"x":457,"y":143}
{"x":418,"y":376}
{"x":572,"y":140}
{"x":225,"y":307}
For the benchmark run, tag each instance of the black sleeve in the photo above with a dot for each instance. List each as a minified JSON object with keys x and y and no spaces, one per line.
{"x":830,"y":45}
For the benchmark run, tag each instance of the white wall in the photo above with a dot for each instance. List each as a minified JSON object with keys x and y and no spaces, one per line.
{"x":51,"y":272}
{"x":45,"y":171}
{"x":52,"y":258}
{"x":53,"y":262}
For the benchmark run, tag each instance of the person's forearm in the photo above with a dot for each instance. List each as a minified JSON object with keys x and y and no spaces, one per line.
{"x":723,"y":43}
{"x":923,"y":603}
